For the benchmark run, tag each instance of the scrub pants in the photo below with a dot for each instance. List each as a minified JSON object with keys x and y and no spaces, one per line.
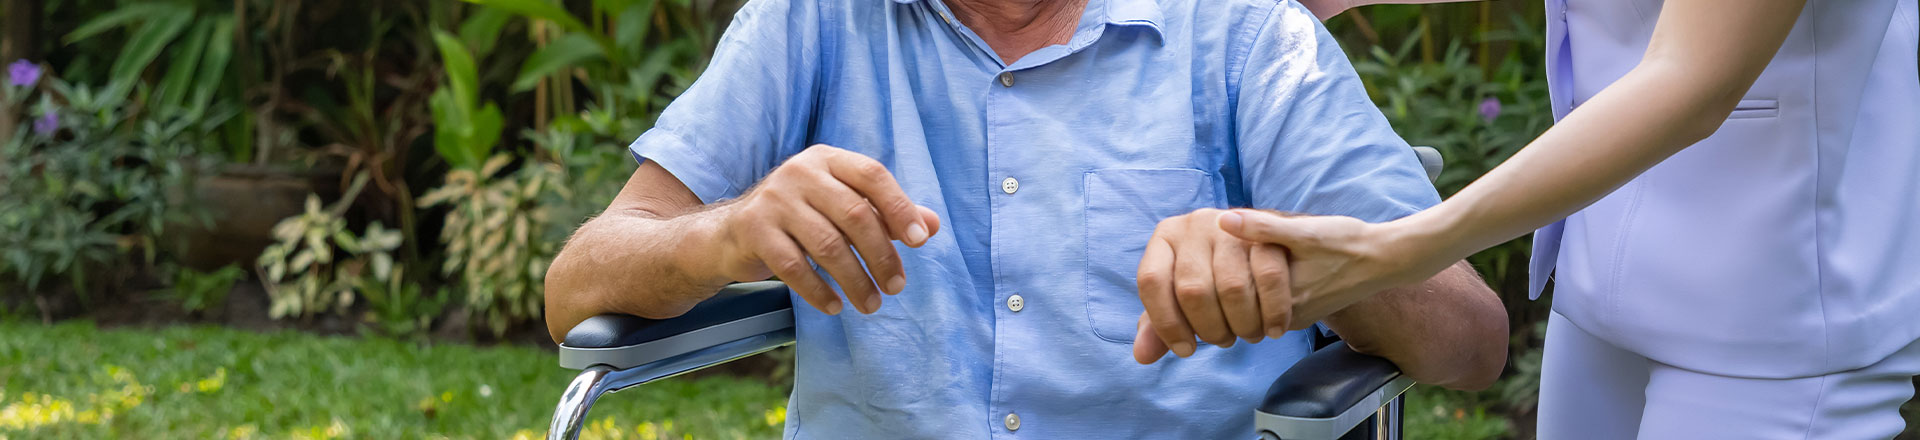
{"x":1591,"y":389}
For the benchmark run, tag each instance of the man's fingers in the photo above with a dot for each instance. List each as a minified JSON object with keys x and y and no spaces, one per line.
{"x":873,"y":181}
{"x":1147,"y":347}
{"x":1233,"y":282}
{"x":1193,"y":288}
{"x":1272,"y":282}
{"x":860,"y":224}
{"x":830,"y":250}
{"x":782,"y":256}
{"x":929,"y":218}
{"x":1265,"y":227}
{"x":1156,"y":294}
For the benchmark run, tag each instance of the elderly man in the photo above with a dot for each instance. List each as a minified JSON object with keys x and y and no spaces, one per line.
{"x":1049,"y":170}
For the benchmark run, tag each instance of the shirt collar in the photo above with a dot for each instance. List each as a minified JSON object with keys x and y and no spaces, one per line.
{"x":1134,"y":13}
{"x":1119,"y":12}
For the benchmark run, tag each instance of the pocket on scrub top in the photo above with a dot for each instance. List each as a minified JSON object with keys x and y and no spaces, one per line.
{"x":1755,"y":108}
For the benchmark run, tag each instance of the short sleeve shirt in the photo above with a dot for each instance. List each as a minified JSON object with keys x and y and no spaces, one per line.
{"x":1049,"y":176}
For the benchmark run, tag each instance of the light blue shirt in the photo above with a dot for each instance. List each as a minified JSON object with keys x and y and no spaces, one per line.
{"x":1049,"y":176}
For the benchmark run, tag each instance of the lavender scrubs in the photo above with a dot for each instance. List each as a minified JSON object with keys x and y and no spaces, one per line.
{"x":1786,"y":246}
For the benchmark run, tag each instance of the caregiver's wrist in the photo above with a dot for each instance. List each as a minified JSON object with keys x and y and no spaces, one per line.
{"x":1430,"y":234}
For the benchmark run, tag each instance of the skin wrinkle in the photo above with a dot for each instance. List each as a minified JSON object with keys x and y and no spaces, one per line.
{"x":1015,"y":28}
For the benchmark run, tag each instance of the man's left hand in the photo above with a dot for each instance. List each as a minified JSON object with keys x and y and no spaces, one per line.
{"x":1196,"y":280}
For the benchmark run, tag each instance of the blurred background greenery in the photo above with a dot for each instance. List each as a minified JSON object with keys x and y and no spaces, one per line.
{"x":317,"y":219}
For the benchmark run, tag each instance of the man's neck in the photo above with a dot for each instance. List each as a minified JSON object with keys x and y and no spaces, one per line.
{"x":1015,"y":28}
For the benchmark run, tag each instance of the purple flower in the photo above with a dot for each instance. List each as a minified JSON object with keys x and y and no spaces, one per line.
{"x":46,"y":124}
{"x":23,"y":73}
{"x":1490,"y":108}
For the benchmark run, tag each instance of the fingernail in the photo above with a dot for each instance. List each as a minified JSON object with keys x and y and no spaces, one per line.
{"x":1183,"y":348}
{"x":896,"y":284}
{"x":873,"y":304}
{"x":916,"y":234}
{"x":1276,"y":332}
{"x":1230,"y":221}
{"x":833,"y":308}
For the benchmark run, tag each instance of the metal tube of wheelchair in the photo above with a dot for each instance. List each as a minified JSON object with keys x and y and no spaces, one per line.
{"x":571,"y":413}
{"x":1387,"y":420}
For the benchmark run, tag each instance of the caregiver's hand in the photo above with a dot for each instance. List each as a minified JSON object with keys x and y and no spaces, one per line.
{"x":1337,"y":261}
{"x":1196,"y":280}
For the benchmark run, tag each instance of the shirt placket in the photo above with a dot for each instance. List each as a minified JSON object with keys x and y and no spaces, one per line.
{"x":1003,"y":192}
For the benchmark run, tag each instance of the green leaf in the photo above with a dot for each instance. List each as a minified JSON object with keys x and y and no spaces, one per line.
{"x":630,"y":29}
{"x":182,"y":67}
{"x":487,"y":126}
{"x":301,"y":261}
{"x":382,"y":266}
{"x":538,"y":9}
{"x":482,"y":30}
{"x":122,"y":15}
{"x":145,"y":45}
{"x":213,"y":66}
{"x":563,"y":53}
{"x":450,"y":129}
{"x":462,"y":77}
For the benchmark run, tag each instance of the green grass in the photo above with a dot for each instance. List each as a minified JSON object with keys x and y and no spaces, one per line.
{"x":74,"y":380}
{"x":1442,"y":414}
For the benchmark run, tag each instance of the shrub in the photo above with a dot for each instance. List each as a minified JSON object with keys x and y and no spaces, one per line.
{"x":318,"y":266}
{"x":497,"y":249}
{"x":87,"y":188}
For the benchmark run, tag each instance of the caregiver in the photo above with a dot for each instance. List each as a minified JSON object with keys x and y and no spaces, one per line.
{"x":1729,"y":206}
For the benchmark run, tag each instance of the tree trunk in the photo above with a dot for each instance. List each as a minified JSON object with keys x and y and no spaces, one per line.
{"x":21,"y":27}
{"x":17,"y":41}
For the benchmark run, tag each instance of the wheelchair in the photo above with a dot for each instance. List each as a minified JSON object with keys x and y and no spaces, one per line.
{"x":1333,"y":393}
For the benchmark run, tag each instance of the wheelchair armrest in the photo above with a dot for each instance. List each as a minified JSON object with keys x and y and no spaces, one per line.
{"x":1327,"y":394}
{"x":738,"y":312}
{"x":614,"y":352}
{"x":1431,"y":161}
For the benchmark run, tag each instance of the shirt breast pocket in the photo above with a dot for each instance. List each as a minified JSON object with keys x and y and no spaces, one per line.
{"x":1122,"y":208}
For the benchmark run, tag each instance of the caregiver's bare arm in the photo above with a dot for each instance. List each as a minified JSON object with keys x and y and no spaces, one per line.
{"x":657,"y":251}
{"x":1703,"y":57}
{"x":1449,"y":331}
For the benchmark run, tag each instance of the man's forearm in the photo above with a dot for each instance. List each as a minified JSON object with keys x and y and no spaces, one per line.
{"x":628,"y":261}
{"x":1450,"y":330}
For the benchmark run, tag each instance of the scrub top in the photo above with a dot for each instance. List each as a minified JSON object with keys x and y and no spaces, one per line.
{"x":1786,"y":244}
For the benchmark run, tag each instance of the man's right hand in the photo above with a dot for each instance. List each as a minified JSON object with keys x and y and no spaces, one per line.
{"x":822,"y":205}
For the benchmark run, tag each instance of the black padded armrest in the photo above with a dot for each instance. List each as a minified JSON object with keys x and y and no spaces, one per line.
{"x":1328,"y":393}
{"x":1327,"y":382}
{"x":734,"y":303}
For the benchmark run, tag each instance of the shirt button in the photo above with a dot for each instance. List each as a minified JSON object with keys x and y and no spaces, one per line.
{"x":1010,"y":185}
{"x":1013,"y":422}
{"x":1015,"y":303}
{"x":1006,"y":79}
